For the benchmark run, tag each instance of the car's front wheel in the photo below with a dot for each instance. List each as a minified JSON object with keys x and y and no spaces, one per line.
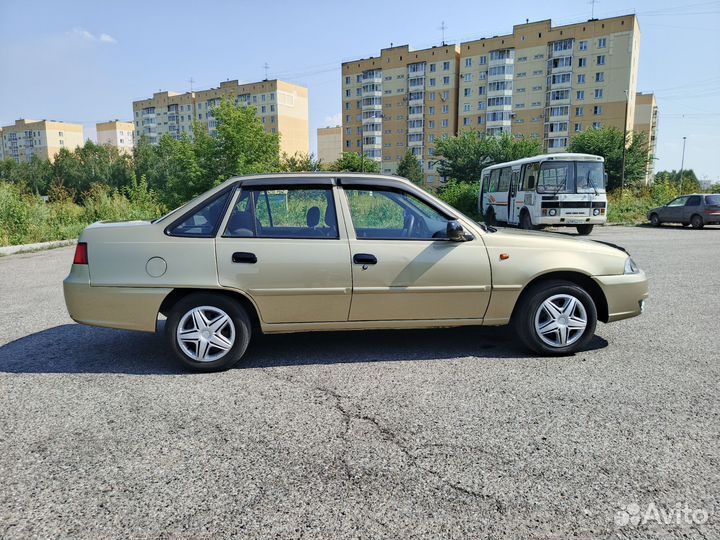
{"x":208,"y":332}
{"x":655,"y":220}
{"x":556,"y":318}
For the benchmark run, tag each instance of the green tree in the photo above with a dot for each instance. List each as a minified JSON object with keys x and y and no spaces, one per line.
{"x":464,"y":156}
{"x":299,"y":162}
{"x":690,"y":182}
{"x":409,"y":167}
{"x":608,"y":143}
{"x":36,"y":176}
{"x":354,"y":162}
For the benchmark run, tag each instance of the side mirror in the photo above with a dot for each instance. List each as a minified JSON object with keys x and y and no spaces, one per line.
{"x":455,"y":231}
{"x":605,"y":179}
{"x":531,"y":181}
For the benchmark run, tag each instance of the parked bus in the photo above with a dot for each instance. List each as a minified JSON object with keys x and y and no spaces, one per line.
{"x":562,"y":190}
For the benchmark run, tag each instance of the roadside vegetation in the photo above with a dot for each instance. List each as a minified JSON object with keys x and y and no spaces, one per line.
{"x":41,"y":201}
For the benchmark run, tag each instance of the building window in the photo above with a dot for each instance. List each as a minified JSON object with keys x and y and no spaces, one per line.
{"x":596,"y":125}
{"x":582,"y":62}
{"x":467,"y":92}
{"x":433,"y":67}
{"x":445,"y":95}
{"x":579,"y":111}
{"x":597,"y":110}
{"x":581,"y":78}
{"x":583,"y":45}
{"x":431,"y":124}
{"x":600,"y":76}
{"x":580,"y":95}
{"x":347,"y":80}
{"x":602,"y":43}
{"x":445,"y":109}
{"x":481,"y":90}
{"x":446,"y":80}
{"x":446,"y":66}
{"x":431,"y":110}
{"x":466,"y":121}
{"x":445,"y":123}
{"x":466,"y":107}
{"x":598,"y":93}
{"x":432,"y":82}
{"x":468,"y":62}
{"x":467,"y":77}
{"x":578,"y":128}
{"x":601,"y":60}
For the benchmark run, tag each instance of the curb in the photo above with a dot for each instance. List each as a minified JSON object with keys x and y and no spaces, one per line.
{"x":27,"y":248}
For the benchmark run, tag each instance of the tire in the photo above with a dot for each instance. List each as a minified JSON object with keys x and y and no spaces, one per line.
{"x":526,"y":221}
{"x":584,"y":230}
{"x":531,"y":314}
{"x":697,"y":222}
{"x":685,"y":224}
{"x":655,"y":220}
{"x":490,"y":217}
{"x":229,"y":341}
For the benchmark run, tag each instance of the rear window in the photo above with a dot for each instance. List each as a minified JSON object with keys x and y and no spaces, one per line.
{"x":712,"y":199}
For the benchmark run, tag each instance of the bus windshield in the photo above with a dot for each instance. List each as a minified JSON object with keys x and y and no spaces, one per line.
{"x":556,"y":177}
{"x":589,"y":177}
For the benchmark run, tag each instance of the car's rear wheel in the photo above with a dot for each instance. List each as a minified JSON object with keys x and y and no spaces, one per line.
{"x":697,"y":222}
{"x":208,"y":332}
{"x":655,"y":220}
{"x":584,"y":230}
{"x":556,"y":318}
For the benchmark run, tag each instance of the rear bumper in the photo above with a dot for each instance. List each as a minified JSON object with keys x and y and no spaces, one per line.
{"x":128,"y":308}
{"x":625,"y":294}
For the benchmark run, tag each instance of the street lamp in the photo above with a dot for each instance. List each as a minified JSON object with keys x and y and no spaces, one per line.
{"x":622,"y":173}
{"x":682,"y":165}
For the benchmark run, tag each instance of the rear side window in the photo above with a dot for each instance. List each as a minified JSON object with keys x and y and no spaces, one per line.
{"x":292,"y":212}
{"x":712,"y":199}
{"x":204,"y":221}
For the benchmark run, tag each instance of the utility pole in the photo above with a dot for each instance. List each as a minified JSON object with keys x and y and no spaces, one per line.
{"x":682,"y":165}
{"x":622,"y":173}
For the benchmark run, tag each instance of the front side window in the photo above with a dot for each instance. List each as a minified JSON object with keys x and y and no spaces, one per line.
{"x":680,"y":201}
{"x":383,"y":214}
{"x":283,"y":212}
{"x":204,"y":221}
{"x":556,"y":177}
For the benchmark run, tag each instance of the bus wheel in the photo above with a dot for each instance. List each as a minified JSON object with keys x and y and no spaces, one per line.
{"x":490,"y":217}
{"x":584,"y":230}
{"x":526,"y":221}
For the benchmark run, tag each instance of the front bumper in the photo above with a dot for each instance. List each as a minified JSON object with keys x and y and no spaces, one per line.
{"x":571,"y":221}
{"x":625,"y":294}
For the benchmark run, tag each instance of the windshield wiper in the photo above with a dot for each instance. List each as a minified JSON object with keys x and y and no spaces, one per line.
{"x":592,"y":184}
{"x":561,"y":187}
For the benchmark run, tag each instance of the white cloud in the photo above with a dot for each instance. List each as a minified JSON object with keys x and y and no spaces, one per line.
{"x":334,"y":120}
{"x":85,"y":35}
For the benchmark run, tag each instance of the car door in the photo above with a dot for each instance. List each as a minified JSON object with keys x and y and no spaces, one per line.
{"x":673,"y":211}
{"x":404,"y":267}
{"x":692,"y":206}
{"x":515,"y":199}
{"x":282,"y":245}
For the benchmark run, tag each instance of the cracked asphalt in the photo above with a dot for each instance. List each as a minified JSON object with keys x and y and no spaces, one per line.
{"x":455,"y":433}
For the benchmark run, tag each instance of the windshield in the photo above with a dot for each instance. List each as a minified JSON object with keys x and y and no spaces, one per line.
{"x":590,"y":177}
{"x":556,"y":177}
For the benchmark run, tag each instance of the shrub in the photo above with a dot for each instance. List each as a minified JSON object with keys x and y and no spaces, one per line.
{"x":463,"y":196}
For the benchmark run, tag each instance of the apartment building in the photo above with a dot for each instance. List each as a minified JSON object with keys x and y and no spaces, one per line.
{"x":550,"y":82}
{"x":41,"y":138}
{"x":402,"y":100}
{"x":116,"y":133}
{"x":646,"y":120}
{"x":282,"y":107}
{"x":329,"y":143}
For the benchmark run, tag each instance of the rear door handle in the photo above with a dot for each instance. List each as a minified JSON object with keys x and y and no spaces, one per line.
{"x":244,"y":257}
{"x":364,"y":258}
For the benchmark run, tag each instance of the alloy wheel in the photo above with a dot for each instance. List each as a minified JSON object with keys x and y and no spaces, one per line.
{"x":561,"y":320}
{"x":205,"y":333}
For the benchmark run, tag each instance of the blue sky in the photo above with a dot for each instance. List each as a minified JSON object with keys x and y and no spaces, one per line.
{"x":86,"y":61}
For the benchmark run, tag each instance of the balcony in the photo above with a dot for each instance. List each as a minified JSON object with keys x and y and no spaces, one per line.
{"x":417,"y":129}
{"x":372,"y":77}
{"x":499,"y":93}
{"x":416,"y":82}
{"x":502,"y":62}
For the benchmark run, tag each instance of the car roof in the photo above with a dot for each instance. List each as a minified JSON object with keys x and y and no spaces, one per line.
{"x":280,"y":177}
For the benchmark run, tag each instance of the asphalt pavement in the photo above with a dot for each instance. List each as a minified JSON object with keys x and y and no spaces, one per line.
{"x":456,"y":433}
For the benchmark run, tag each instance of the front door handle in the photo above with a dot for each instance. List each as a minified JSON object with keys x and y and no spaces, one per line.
{"x":364,"y":258}
{"x":244,"y":257}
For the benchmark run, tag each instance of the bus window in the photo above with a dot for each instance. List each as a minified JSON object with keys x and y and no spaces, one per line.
{"x":486,"y":176}
{"x":589,"y":177}
{"x":504,"y":183}
{"x":556,"y":177}
{"x":531,"y":173}
{"x":494,"y":176}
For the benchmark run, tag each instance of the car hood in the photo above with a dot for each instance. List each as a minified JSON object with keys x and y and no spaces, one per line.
{"x":551,"y":240}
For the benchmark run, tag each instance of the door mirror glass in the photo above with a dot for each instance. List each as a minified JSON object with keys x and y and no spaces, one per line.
{"x":455,"y":231}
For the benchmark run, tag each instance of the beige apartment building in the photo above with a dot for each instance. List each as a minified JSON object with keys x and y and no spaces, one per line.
{"x":400,"y":101}
{"x":646,"y":120}
{"x":282,"y":107}
{"x":329,"y":143}
{"x":40,"y":138}
{"x":542,"y":81}
{"x":116,"y":133}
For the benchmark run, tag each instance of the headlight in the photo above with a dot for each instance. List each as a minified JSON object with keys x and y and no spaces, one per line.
{"x":553,"y":212}
{"x":596,"y":212}
{"x":631,"y":267}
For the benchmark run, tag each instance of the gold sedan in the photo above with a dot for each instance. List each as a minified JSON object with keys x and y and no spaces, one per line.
{"x":321,"y":251}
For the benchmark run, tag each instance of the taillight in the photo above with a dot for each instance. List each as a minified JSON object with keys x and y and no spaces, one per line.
{"x":80,"y":254}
